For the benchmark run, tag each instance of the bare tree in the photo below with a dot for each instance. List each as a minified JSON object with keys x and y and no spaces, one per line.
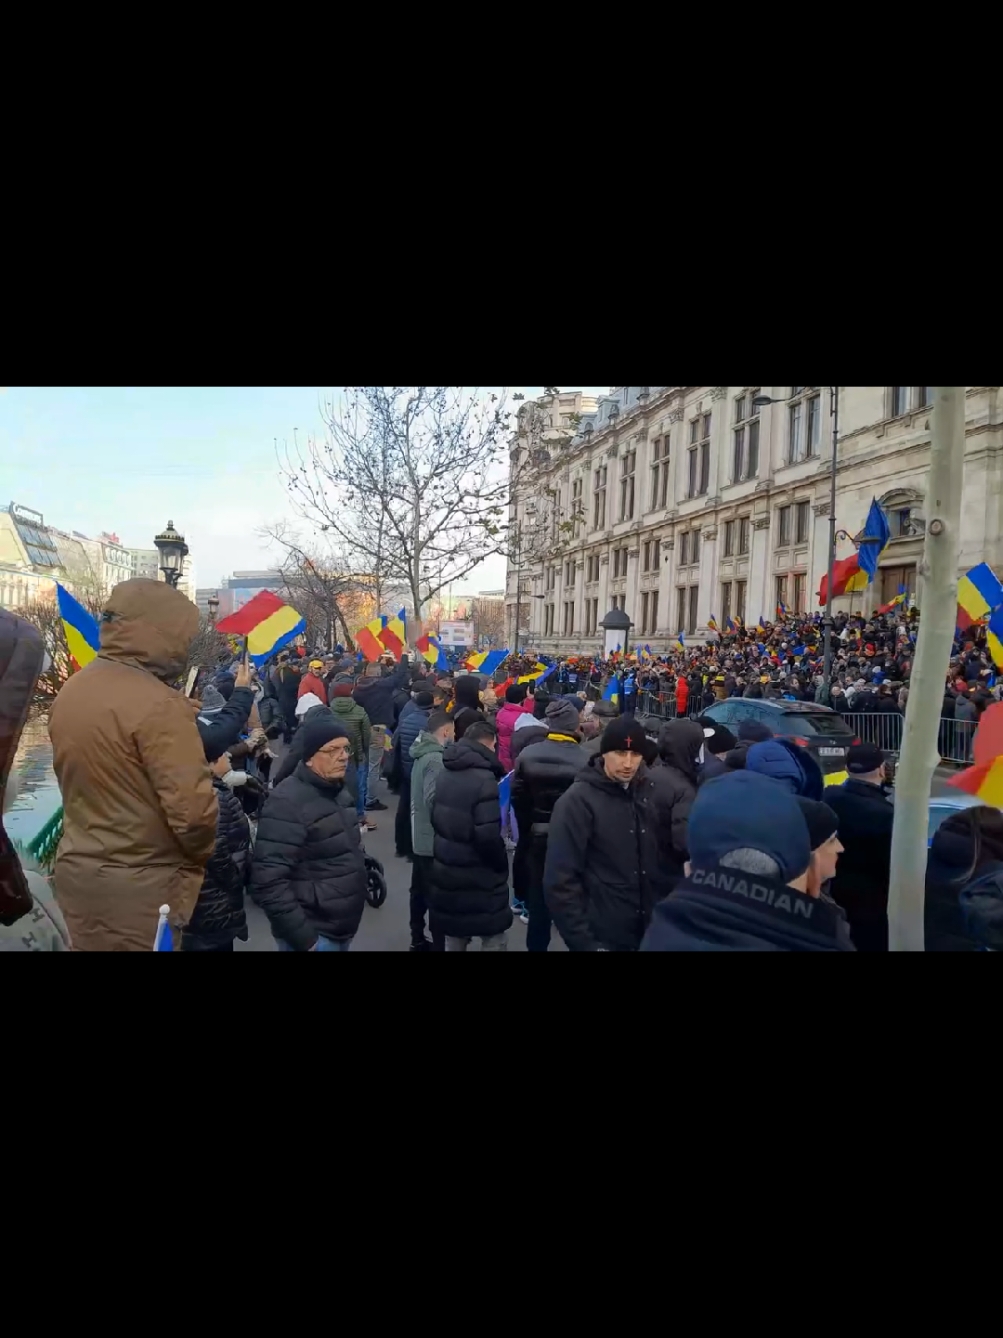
{"x":209,"y":648}
{"x":332,"y":599}
{"x":489,"y":621}
{"x":44,"y":614}
{"x":410,"y":480}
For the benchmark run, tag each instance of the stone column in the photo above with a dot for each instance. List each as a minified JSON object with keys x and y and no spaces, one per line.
{"x":758,"y":596}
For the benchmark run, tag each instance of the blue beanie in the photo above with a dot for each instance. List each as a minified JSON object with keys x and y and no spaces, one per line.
{"x":743,"y":811}
{"x":784,"y":761}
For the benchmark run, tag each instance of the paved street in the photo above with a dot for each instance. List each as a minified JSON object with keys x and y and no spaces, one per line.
{"x":386,"y":929}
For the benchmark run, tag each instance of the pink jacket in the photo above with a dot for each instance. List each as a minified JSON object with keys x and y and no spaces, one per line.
{"x":505,"y":724}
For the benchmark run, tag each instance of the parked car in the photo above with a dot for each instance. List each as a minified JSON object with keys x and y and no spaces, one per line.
{"x":821,"y":730}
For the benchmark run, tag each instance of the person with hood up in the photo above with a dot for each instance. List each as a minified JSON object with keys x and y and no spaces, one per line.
{"x":30,"y":920}
{"x":427,"y":753}
{"x":308,"y":871}
{"x":139,"y":806}
{"x":674,"y":780}
{"x":966,"y":854}
{"x":602,"y":877}
{"x":413,"y":720}
{"x":313,"y":681}
{"x":528,"y":729}
{"x":219,"y":916}
{"x":787,"y":762}
{"x":682,"y":696}
{"x":865,"y":829}
{"x":469,"y":887}
{"x":543,"y":772}
{"x":746,"y":885}
{"x":220,"y":721}
{"x":357,"y":726}
{"x":515,"y":706}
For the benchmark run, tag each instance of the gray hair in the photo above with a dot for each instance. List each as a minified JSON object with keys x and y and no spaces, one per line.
{"x":747,"y":860}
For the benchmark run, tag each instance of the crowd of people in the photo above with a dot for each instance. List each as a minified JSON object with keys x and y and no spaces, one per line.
{"x":545,"y":799}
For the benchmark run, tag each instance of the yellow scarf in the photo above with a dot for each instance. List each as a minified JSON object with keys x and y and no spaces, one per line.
{"x":563,"y":738}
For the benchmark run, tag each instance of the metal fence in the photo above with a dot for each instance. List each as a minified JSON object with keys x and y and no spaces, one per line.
{"x":954,"y":738}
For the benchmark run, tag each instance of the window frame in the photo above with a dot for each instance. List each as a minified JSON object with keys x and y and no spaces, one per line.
{"x":628,"y":467}
{"x":599,"y":480}
{"x":802,"y":511}
{"x":744,"y":535}
{"x":691,"y":620}
{"x":745,"y":461}
{"x":799,"y":416}
{"x":728,"y":548}
{"x":698,"y":464}
{"x":784,"y":526}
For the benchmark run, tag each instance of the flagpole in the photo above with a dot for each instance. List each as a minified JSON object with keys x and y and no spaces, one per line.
{"x":827,"y":622}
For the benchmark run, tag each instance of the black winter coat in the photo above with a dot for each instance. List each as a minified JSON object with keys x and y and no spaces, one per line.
{"x":376,"y":696}
{"x":862,"y":874}
{"x":542,"y":774}
{"x":221,"y":729}
{"x":412,"y":721}
{"x":522,"y":738}
{"x":218,"y":917}
{"x":469,"y":891}
{"x":602,"y":875}
{"x":308,"y":871}
{"x":723,"y":910}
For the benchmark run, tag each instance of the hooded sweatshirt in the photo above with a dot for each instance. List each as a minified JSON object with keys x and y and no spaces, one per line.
{"x":426,"y":763}
{"x":784,"y":761}
{"x":674,"y":787}
{"x":139,"y":806}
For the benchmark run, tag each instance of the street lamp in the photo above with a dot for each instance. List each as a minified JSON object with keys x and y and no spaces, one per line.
{"x":757,"y":403}
{"x":212,"y":604}
{"x":173,"y":551}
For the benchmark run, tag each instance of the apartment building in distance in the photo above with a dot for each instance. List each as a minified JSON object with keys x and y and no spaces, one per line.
{"x":678,"y":503}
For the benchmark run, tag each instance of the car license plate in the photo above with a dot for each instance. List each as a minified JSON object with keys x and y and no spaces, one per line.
{"x":832,"y":752}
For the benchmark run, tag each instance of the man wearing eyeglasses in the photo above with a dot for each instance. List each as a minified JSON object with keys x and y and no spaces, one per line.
{"x":308,"y":872}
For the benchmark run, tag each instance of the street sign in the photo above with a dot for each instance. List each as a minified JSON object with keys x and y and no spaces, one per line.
{"x":452,"y":635}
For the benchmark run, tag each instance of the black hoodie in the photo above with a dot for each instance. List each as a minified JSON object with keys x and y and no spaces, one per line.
{"x":674,"y":781}
{"x":469,"y":886}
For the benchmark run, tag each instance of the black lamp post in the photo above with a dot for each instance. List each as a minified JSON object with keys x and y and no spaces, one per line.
{"x":618,"y":621}
{"x":757,"y":402}
{"x":173,"y":551}
{"x":212,"y":604}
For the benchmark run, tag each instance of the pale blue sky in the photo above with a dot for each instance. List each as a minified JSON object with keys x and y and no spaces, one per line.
{"x":129,"y":459}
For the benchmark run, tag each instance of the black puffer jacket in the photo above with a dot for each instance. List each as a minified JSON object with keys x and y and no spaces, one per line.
{"x":864,"y":869}
{"x":602,"y":875}
{"x":469,"y":893}
{"x":308,"y":872}
{"x":542,"y":774}
{"x":219,"y":917}
{"x":522,"y":738}
{"x":376,"y":696}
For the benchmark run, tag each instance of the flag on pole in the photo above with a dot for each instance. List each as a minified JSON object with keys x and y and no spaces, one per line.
{"x":431,"y":650}
{"x":979,"y":593}
{"x":393,"y":634}
{"x":730,"y":624}
{"x":538,"y":674}
{"x":612,"y":693}
{"x":994,"y":638}
{"x":874,"y":540}
{"x":899,"y":598}
{"x":712,"y":623}
{"x":847,"y":576}
{"x":267,"y":624}
{"x":83,"y":638}
{"x":163,"y":940}
{"x":678,"y":642}
{"x":486,"y":661}
{"x":782,"y":610}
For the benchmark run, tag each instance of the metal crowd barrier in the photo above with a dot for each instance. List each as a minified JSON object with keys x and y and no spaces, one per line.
{"x":954,"y":738}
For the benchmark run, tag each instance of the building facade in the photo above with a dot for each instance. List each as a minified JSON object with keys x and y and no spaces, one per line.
{"x":682,"y":503}
{"x":144,"y":562}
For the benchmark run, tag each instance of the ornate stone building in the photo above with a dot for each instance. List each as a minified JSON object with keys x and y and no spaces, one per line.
{"x":678,"y":503}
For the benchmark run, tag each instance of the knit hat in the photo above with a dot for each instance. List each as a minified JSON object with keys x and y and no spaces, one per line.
{"x":561,"y":717}
{"x":344,"y":678}
{"x":822,"y":821}
{"x":212,"y":699}
{"x":625,"y":735}
{"x":424,"y":701}
{"x":226,"y":684}
{"x":863,"y":757}
{"x":321,"y":729}
{"x":743,"y":811}
{"x":719,"y":738}
{"x":754,"y":731}
{"x":339,"y":688}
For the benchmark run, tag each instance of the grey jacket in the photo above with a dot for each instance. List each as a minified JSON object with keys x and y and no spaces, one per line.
{"x":426,"y":759}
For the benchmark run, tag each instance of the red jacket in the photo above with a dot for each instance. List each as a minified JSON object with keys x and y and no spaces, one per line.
{"x":682,"y":695}
{"x":310,"y":682}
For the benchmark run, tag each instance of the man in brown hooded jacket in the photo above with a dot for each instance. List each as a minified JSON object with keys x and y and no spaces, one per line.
{"x":139,"y":807}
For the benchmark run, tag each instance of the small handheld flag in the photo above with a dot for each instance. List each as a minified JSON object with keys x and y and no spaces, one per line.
{"x":164,"y":940}
{"x":712,"y":623}
{"x":266,"y":622}
{"x":612,"y":693}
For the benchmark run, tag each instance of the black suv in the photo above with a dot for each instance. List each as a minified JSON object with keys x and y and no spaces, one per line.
{"x":822,"y":731}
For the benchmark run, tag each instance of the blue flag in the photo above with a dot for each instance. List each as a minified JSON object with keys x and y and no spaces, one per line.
{"x":873,"y":540}
{"x":163,"y":941}
{"x":612,"y":693}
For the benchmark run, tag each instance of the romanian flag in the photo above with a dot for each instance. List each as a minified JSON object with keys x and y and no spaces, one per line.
{"x":731,"y":625}
{"x":678,"y":642}
{"x":537,"y":674}
{"x":994,"y":638}
{"x":761,"y":626}
{"x":368,"y":638}
{"x":985,"y":778}
{"x":393,"y":634}
{"x":781,"y":610}
{"x":874,"y":540}
{"x":899,"y":598}
{"x":712,"y":623}
{"x":612,"y":693}
{"x":979,"y":593}
{"x":83,"y":640}
{"x":266,"y":622}
{"x":486,"y":661}
{"x":428,"y":646}
{"x":847,"y":575}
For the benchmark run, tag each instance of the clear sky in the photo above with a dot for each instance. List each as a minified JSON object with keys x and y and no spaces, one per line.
{"x":128,"y":459}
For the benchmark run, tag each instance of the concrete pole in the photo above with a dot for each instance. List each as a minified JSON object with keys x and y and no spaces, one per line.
{"x":938,"y":616}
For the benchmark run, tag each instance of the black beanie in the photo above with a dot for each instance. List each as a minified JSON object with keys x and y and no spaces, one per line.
{"x":719,"y":740}
{"x":821,"y":820}
{"x":625,"y":735}
{"x":318,"y":731}
{"x":754,"y":731}
{"x":424,"y":701}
